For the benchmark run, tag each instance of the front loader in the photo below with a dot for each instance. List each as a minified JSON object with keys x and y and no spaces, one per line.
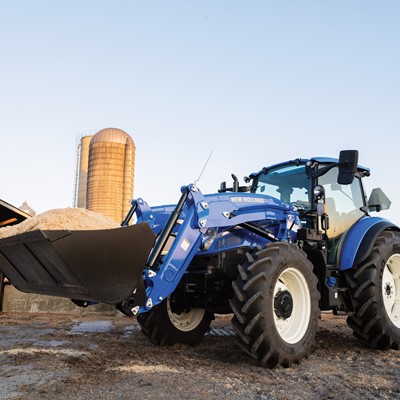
{"x":298,"y":238}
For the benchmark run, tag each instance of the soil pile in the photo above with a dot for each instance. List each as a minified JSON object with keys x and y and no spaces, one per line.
{"x":61,"y":218}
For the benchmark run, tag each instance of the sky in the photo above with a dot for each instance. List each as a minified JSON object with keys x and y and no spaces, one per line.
{"x":253,"y":82}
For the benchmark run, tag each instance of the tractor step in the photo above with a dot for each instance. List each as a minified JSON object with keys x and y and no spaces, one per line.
{"x":95,"y":265}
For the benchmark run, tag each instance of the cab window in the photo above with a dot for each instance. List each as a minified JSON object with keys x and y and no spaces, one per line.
{"x":288,"y":183}
{"x":343,"y":202}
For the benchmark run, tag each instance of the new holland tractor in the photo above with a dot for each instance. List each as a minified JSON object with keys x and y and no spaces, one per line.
{"x":296,"y":239}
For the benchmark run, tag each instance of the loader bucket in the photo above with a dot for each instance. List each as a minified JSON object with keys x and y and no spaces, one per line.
{"x":98,"y":265}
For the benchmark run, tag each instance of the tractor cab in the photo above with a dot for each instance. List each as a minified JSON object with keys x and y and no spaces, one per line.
{"x":327,"y":193}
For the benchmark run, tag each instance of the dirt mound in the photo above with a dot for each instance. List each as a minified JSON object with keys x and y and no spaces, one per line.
{"x":61,"y":218}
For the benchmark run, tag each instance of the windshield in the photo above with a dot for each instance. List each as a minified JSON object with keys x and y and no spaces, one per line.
{"x":288,"y":183}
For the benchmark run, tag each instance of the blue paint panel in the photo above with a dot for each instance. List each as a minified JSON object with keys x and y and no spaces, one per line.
{"x":355,"y":237}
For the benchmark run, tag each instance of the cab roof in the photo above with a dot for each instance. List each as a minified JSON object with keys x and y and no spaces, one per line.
{"x":319,"y":160}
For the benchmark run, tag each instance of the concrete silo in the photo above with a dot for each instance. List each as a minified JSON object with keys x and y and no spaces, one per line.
{"x":83,"y":165}
{"x":110,"y":176}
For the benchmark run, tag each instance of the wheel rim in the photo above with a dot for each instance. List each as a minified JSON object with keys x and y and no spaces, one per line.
{"x":391,"y":288}
{"x":185,"y":321}
{"x":291,"y":305}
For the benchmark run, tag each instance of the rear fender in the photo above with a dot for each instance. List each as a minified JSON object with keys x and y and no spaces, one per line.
{"x":360,"y":239}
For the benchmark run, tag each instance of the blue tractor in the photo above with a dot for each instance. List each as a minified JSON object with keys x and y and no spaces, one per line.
{"x":296,"y":239}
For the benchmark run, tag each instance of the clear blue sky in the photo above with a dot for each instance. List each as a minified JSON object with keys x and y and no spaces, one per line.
{"x":256,"y":82}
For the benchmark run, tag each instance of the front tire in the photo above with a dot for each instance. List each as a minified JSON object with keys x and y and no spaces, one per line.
{"x":165,"y":328}
{"x":375,"y":290}
{"x":275,"y":305}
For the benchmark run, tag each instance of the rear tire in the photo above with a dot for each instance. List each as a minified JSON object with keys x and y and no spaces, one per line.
{"x":375,"y":290}
{"x":275,"y":305}
{"x":165,"y":328}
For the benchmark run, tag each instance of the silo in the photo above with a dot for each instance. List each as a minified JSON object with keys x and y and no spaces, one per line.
{"x":83,"y":170}
{"x":110,"y":176}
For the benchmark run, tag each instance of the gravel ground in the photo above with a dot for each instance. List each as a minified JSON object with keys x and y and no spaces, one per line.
{"x":51,"y":356}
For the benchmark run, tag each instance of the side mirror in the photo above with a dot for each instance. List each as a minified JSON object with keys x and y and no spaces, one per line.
{"x":348,"y":161}
{"x":378,"y":200}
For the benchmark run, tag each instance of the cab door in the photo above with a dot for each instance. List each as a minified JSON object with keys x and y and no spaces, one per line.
{"x":344,"y":206}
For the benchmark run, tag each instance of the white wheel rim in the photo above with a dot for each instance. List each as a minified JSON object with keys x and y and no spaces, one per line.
{"x":391,"y":288}
{"x":186,"y":321}
{"x":293,"y":328}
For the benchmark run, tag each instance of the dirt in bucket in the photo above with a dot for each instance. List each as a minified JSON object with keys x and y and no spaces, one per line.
{"x":61,"y":219}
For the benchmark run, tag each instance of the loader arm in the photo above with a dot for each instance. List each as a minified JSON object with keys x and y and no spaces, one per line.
{"x":197,"y":214}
